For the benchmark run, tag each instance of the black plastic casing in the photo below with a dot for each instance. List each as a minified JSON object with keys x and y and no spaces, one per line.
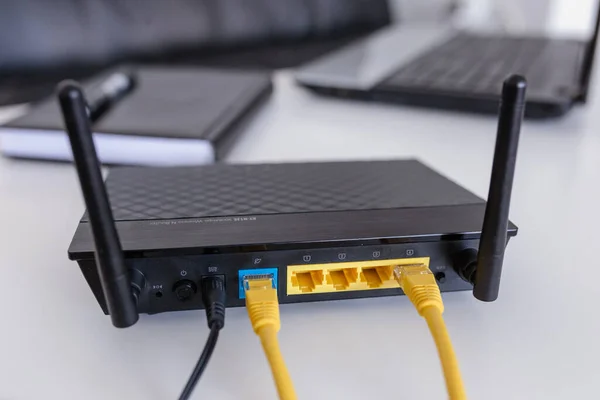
{"x":188,"y":223}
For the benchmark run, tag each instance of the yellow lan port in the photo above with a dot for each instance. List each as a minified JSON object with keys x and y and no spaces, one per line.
{"x":346,"y":276}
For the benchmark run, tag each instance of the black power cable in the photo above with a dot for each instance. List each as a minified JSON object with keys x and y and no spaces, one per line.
{"x":213,"y":297}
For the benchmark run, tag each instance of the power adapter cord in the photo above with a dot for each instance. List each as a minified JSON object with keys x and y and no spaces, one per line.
{"x":419,"y":284}
{"x":213,"y":297}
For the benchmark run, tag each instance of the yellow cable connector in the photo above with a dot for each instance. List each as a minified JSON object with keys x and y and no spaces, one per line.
{"x":418,"y":283}
{"x":263,"y":310}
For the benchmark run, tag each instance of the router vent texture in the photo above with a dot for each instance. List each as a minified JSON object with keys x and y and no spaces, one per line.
{"x":237,"y":190}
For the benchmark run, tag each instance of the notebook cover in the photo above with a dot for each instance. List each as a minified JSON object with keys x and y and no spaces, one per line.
{"x":184,"y":103}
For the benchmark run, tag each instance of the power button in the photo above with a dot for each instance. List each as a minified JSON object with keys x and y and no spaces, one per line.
{"x":184,"y":290}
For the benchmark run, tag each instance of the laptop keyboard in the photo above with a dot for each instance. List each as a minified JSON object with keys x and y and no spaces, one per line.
{"x":469,"y":63}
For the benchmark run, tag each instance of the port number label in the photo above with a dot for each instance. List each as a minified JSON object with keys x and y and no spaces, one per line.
{"x":213,"y":269}
{"x":376,"y":254}
{"x":410,"y":252}
{"x":342,"y":256}
{"x":307,"y":258}
{"x":183,"y":273}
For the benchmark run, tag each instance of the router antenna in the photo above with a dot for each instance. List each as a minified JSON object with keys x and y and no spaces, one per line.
{"x":495,"y":223}
{"x":110,"y":262}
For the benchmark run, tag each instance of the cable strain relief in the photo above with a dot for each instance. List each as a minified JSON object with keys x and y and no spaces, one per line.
{"x":426,"y":296}
{"x":262,"y":314}
{"x":215,"y":315}
{"x":214,"y":297}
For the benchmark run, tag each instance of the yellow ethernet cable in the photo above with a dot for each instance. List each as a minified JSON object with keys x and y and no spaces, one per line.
{"x":418,"y":283}
{"x":263,"y":310}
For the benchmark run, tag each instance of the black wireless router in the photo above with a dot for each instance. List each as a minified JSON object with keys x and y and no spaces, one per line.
{"x":324,"y":231}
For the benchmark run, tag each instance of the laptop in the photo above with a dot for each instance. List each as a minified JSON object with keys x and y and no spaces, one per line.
{"x":442,"y":67}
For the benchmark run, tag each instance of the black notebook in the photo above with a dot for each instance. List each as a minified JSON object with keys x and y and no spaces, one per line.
{"x":171,"y":116}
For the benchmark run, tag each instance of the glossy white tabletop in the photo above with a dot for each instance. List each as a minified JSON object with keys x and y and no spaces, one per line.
{"x":538,"y":341}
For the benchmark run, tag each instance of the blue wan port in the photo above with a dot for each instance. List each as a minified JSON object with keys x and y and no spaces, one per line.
{"x":259,"y":271}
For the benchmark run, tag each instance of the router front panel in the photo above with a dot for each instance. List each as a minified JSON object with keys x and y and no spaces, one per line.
{"x":172,"y":283}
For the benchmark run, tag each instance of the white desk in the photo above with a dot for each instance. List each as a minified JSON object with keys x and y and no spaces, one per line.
{"x":538,"y":341}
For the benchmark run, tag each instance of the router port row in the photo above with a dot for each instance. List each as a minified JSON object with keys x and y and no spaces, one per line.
{"x":346,"y":276}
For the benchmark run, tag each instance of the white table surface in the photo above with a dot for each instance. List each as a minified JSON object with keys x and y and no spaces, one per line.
{"x":538,"y":341}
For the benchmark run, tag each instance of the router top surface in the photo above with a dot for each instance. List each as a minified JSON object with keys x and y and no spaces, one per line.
{"x":228,"y":190}
{"x":233,"y":205}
